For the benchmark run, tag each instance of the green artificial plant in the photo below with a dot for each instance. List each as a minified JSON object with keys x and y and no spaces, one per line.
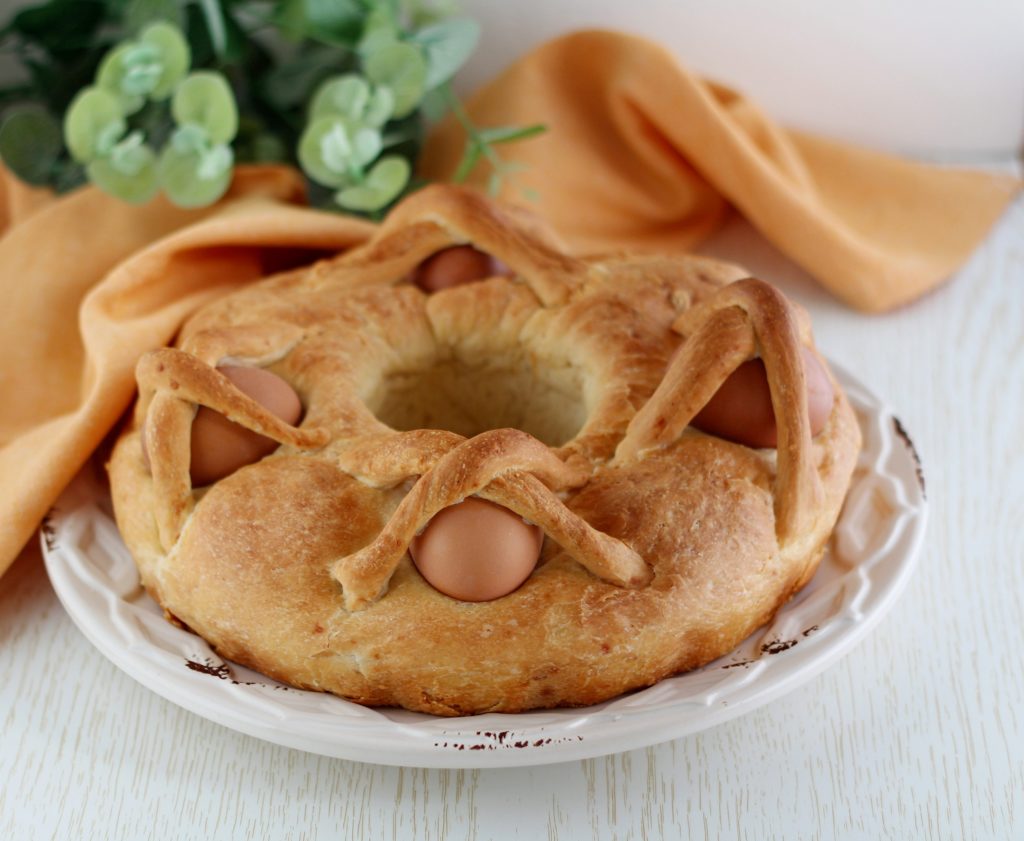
{"x":144,"y":96}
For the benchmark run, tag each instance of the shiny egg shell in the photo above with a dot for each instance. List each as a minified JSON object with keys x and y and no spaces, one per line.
{"x":456,"y":266}
{"x":219,"y":446}
{"x":476,"y":550}
{"x":741,"y":409}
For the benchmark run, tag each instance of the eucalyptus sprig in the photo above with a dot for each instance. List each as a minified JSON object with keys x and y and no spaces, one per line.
{"x":400,"y":70}
{"x":143,"y":95}
{"x":194,"y":167}
{"x":480,"y":143}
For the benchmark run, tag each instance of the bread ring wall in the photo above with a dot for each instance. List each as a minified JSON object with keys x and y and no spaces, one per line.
{"x":562,"y":392}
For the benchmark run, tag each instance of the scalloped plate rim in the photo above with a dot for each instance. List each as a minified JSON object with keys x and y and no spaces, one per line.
{"x":490,"y":740}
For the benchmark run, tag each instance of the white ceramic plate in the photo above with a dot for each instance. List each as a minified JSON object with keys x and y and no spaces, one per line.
{"x":869,"y":561}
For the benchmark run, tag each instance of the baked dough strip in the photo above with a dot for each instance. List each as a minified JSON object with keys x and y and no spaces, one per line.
{"x":509,"y":467}
{"x":171,"y":384}
{"x":386,"y":459}
{"x":193,"y":381}
{"x":746,"y":317}
{"x":435,"y":218}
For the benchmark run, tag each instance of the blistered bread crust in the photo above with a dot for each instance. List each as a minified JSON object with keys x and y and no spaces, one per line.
{"x":665,"y":547}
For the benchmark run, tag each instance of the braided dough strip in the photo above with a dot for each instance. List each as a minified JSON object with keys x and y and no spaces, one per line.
{"x":257,"y":344}
{"x":389,"y":458}
{"x":744,"y":317}
{"x":384,"y":460}
{"x":169,"y":463}
{"x":511,"y":468}
{"x":194,"y":381}
{"x":599,"y":553}
{"x":437,"y":217}
{"x":173,"y":383}
{"x":705,"y":359}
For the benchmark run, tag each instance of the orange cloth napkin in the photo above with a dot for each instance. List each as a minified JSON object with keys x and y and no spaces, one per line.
{"x":89,"y":284}
{"x":639,"y":154}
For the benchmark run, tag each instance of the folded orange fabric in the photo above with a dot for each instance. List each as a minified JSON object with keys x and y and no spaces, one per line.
{"x":639,"y":154}
{"x":89,"y":284}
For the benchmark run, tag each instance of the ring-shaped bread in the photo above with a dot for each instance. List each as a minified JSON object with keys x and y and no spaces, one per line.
{"x":563,"y":392}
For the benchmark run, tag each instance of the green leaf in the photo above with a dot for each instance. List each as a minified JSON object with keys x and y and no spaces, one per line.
{"x":470,"y":157}
{"x":335,"y":22}
{"x":215,"y":163}
{"x":206,"y":46}
{"x":507,"y":134}
{"x":290,"y":19}
{"x":425,"y":12}
{"x":376,"y":40}
{"x":216,"y":25}
{"x":447,"y":46}
{"x":366,"y":145}
{"x":380,"y":108}
{"x":149,"y":68}
{"x":287,"y":85}
{"x":435,"y":104}
{"x":190,"y":138}
{"x":329,"y":152}
{"x":382,"y":185}
{"x":136,"y":187}
{"x":131,"y":155}
{"x":175,"y":56}
{"x":205,"y":99}
{"x":195,"y":179}
{"x":342,"y":96}
{"x":111,"y":77}
{"x":379,"y":30}
{"x":138,"y":13}
{"x":93,"y":124}
{"x":30,"y":143}
{"x":401,"y":68}
{"x":349,"y":96}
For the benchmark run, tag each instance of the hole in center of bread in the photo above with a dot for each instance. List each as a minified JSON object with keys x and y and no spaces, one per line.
{"x":473,"y":398}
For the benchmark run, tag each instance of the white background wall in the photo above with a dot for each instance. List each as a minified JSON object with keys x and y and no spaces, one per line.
{"x":924,"y":77}
{"x":942,"y":77}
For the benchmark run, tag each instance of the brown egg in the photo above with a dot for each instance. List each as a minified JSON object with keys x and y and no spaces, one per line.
{"x":477,"y":551}
{"x":455,"y":266}
{"x":741,"y":410}
{"x":219,"y":446}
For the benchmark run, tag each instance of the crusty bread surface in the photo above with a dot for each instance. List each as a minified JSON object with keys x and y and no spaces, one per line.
{"x":563,"y":392}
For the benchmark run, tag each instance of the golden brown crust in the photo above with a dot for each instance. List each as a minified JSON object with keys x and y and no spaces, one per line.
{"x":664,"y":547}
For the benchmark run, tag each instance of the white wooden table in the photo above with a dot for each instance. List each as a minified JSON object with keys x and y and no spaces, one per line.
{"x":918,"y":733}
